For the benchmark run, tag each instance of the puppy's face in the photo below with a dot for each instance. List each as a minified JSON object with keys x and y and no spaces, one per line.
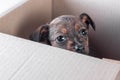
{"x":67,"y":32}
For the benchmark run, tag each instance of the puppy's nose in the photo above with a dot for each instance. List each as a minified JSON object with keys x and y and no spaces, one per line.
{"x":79,"y":48}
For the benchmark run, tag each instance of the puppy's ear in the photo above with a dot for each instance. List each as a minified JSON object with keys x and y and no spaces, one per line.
{"x":41,"y":34}
{"x":85,"y":18}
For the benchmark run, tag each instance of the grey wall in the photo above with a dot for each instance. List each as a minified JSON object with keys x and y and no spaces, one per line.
{"x":106,"y":14}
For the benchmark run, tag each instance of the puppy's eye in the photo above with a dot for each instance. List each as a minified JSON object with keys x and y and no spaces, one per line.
{"x":60,"y":39}
{"x":83,"y":32}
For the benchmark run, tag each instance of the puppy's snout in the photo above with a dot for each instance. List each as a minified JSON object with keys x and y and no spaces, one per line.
{"x":79,"y":48}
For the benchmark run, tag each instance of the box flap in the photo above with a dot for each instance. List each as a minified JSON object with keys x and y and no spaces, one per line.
{"x":22,"y":59}
{"x":9,"y":5}
{"x":23,"y":20}
{"x":112,"y":60}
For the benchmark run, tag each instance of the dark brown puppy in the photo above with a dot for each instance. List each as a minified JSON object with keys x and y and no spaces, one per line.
{"x":67,"y":32}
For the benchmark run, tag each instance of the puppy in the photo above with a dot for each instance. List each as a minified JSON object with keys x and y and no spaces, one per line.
{"x":66,"y":32}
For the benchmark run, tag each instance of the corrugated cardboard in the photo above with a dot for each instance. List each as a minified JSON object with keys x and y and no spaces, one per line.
{"x":22,"y":59}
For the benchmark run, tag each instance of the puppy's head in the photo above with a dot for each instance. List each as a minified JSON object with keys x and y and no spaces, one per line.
{"x":67,"y":32}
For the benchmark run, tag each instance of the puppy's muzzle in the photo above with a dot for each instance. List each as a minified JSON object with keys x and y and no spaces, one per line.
{"x":79,"y":48}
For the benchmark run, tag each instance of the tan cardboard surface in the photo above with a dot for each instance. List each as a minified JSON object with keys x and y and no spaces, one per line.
{"x":111,"y":60}
{"x":8,"y":5}
{"x":22,"y":59}
{"x":25,"y":19}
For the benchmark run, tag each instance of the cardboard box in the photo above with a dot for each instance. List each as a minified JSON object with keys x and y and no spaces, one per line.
{"x":8,"y":5}
{"x":24,"y":19}
{"x":22,"y":59}
{"x":111,"y":60}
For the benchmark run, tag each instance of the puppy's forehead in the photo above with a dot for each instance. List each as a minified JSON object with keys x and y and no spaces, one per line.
{"x":67,"y":20}
{"x":64,"y":19}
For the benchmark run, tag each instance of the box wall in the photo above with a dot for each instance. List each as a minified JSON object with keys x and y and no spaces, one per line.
{"x":25,"y":19}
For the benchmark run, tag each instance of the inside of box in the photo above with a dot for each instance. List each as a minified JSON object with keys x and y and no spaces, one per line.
{"x":104,"y":42}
